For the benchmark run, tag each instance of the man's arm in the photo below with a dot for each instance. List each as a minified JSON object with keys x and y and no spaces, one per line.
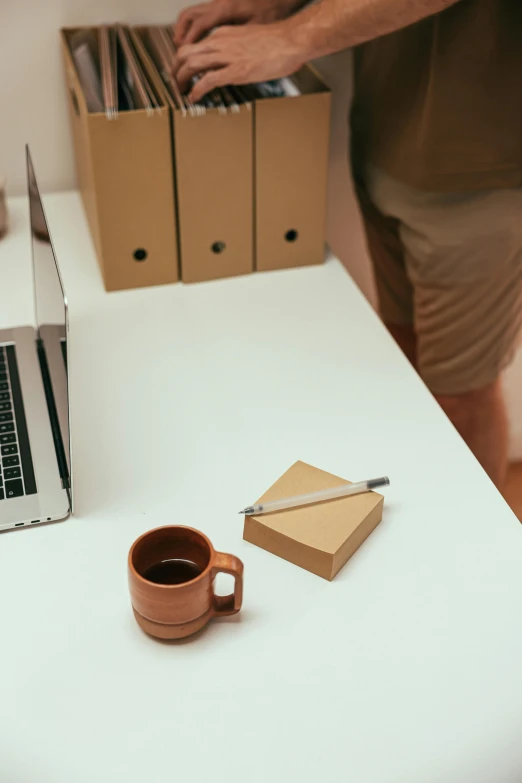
{"x":253,"y":53}
{"x":333,"y":25}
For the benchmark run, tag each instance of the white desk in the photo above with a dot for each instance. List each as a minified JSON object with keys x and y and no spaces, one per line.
{"x":187,"y":403}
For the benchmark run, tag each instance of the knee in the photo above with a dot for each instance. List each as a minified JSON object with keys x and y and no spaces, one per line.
{"x":463,"y":408}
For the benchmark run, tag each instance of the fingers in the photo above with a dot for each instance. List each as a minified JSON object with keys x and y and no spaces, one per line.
{"x":210,"y":81}
{"x":202,"y":25}
{"x":197,"y":21}
{"x":188,"y":52}
{"x":183,"y":25}
{"x":196,"y":65}
{"x":213,"y":44}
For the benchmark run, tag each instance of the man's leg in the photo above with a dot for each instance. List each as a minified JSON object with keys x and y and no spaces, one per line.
{"x":480,"y":417}
{"x":462,"y":254}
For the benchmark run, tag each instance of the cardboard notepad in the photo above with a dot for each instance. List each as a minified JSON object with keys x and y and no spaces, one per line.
{"x":320,"y":537}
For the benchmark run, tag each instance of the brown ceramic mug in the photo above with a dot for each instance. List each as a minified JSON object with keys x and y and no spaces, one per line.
{"x":171,"y":581}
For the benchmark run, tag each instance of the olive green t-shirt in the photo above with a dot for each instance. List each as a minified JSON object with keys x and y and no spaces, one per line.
{"x":438,"y":105}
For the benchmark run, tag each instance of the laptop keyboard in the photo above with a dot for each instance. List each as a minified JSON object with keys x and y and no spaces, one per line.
{"x":16,"y":467}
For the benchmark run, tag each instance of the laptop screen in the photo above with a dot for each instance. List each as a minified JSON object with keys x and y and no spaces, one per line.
{"x":51,"y":321}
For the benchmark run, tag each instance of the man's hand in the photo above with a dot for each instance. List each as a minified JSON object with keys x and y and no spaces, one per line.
{"x":254,"y":53}
{"x":197,"y":21}
{"x":239,"y":55}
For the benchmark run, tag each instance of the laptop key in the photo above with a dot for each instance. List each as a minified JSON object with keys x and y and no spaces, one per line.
{"x":7,"y":427}
{"x":22,"y":433}
{"x":4,"y":397}
{"x":3,"y":376}
{"x":6,"y":450}
{"x":4,"y":387}
{"x":11,"y":473}
{"x":11,"y":438}
{"x":6,"y":417}
{"x":10,"y":462}
{"x":1,"y":494}
{"x":5,"y":406}
{"x":14,"y":489}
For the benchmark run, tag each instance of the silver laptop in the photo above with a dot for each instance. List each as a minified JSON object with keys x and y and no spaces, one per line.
{"x":35,"y":459}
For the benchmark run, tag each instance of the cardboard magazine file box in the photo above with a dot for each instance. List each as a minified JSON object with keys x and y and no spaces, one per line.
{"x":214,"y":184}
{"x":292,"y":137}
{"x":124,"y":168}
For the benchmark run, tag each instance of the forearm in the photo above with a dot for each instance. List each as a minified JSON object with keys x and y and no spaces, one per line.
{"x":283,"y":8}
{"x":332,"y":25}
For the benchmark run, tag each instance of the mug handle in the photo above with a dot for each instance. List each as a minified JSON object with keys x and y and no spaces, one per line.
{"x":228,"y":604}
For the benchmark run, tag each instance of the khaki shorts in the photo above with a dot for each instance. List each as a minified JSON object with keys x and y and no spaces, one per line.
{"x":450,"y":265}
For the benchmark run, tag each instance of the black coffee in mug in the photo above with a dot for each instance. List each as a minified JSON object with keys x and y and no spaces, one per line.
{"x":174,"y":571}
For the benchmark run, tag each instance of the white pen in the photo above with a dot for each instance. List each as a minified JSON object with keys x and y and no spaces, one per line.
{"x":316,"y":497}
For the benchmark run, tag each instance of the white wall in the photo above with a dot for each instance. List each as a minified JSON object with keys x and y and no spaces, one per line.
{"x":33,"y":109}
